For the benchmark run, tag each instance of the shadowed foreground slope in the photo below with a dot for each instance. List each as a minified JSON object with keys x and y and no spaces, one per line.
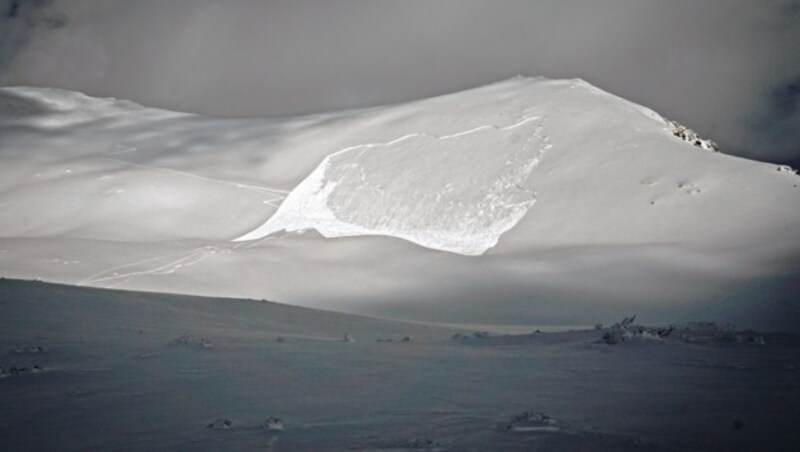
{"x":97,"y":369}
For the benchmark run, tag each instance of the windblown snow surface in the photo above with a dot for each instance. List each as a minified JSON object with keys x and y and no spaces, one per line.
{"x":526,"y":201}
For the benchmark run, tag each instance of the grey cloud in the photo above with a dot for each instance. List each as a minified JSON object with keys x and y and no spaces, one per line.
{"x":723,"y":67}
{"x":19,"y":22}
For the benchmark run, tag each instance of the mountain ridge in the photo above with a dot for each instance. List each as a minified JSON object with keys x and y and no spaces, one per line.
{"x":616,"y":206}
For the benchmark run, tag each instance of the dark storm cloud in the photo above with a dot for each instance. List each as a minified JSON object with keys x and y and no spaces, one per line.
{"x":724,"y":67}
{"x":18,"y":23}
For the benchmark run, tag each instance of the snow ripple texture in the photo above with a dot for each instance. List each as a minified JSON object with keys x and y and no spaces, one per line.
{"x":456,"y":193}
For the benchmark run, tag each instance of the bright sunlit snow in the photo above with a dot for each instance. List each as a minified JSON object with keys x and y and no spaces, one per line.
{"x":568,"y":201}
{"x":457,"y":192}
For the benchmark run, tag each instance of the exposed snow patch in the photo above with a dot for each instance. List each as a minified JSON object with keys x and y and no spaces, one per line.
{"x":457,"y":192}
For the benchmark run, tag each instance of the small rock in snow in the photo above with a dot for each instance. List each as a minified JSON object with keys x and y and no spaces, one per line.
{"x":274,"y":424}
{"x":220,"y":424}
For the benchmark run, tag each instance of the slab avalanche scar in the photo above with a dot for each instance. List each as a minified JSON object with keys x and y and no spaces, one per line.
{"x":456,"y":193}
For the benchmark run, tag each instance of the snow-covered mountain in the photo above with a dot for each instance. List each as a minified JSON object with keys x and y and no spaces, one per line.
{"x":530,"y":200}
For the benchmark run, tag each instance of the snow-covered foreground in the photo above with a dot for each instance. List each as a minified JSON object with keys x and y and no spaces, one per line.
{"x":526,"y":201}
{"x":92,"y":369}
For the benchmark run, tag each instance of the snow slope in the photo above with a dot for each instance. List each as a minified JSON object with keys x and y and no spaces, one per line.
{"x":529,"y":200}
{"x":470,"y":194}
{"x":90,"y":369}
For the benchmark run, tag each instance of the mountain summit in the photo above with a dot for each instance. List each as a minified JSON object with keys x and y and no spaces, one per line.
{"x":525,"y":200}
{"x":456,"y":172}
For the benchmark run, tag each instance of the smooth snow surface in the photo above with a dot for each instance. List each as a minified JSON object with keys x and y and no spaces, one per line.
{"x":529,"y":200}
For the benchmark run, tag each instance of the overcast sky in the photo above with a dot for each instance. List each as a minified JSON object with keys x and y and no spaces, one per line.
{"x":728,"y":68}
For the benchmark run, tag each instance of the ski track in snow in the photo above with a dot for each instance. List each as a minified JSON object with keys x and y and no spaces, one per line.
{"x":122,"y":150}
{"x":186,"y":259}
{"x":116,"y":276}
{"x":278,"y":193}
{"x":182,"y":259}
